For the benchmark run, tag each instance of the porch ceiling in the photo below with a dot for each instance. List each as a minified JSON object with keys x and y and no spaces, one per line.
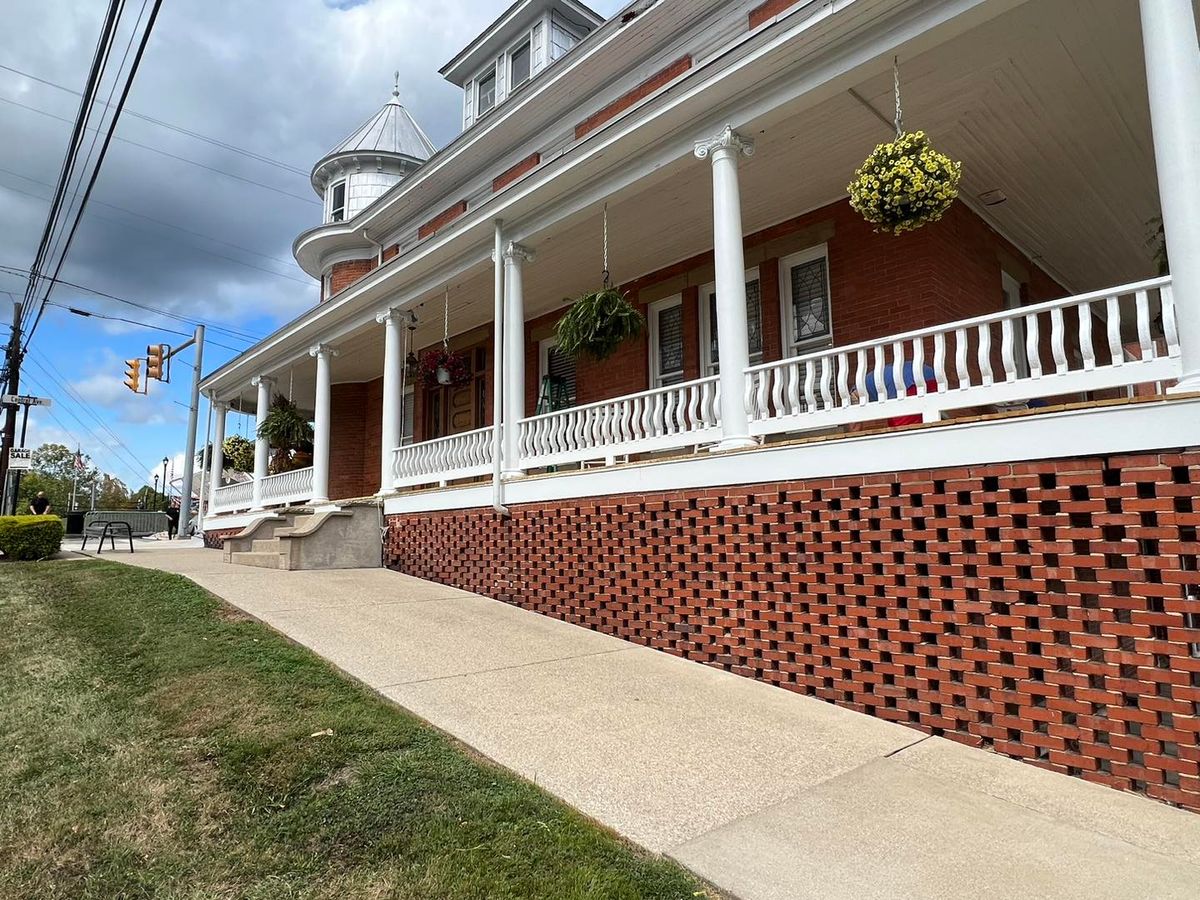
{"x":1046,"y":103}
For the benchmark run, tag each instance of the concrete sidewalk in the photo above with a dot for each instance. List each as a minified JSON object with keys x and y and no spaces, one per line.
{"x":765,"y":793}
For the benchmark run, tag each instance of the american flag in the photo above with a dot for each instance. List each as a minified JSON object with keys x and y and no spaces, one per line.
{"x":80,"y":465}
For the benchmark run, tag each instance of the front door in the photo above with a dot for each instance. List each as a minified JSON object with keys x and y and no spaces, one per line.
{"x":454,"y":409}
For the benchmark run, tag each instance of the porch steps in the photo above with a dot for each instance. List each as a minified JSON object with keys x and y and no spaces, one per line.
{"x":334,"y":537}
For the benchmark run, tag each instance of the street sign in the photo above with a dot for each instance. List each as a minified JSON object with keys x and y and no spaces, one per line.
{"x":24,"y":400}
{"x":20,"y":458}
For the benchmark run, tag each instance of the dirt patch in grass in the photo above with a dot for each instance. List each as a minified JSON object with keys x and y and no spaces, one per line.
{"x":155,"y":742}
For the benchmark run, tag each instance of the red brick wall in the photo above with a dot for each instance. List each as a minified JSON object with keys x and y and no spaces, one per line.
{"x":508,"y":176}
{"x":344,"y":274}
{"x":625,"y":101}
{"x":347,"y":424}
{"x":441,"y":220}
{"x":1035,"y":609}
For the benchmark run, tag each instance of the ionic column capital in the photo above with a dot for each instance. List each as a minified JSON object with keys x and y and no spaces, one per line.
{"x":726,"y":139}
{"x":326,"y":350}
{"x":268,"y":380}
{"x":515,"y":252}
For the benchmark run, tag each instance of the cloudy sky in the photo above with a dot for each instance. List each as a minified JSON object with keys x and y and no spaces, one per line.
{"x":179,"y":223}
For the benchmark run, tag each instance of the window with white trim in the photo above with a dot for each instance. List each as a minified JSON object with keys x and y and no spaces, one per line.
{"x":337,"y":201}
{"x":666,"y":341}
{"x":519,"y":65}
{"x":485,"y":92}
{"x":804,"y":298}
{"x":554,"y":364}
{"x":709,"y":347}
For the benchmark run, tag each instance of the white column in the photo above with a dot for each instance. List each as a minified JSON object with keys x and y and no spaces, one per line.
{"x":323,"y":354}
{"x":733,"y":340}
{"x":262,"y":447}
{"x":1173,"y":81}
{"x":514,"y":355}
{"x":217,"y":462}
{"x":393,"y":408}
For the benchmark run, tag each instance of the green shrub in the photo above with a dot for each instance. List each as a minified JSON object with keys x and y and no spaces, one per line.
{"x":30,"y":537}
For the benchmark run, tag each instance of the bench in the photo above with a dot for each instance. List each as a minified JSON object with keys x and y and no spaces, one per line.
{"x":106,"y":529}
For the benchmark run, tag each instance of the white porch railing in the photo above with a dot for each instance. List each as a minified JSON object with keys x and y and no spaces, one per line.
{"x":1088,"y":342}
{"x":232,"y":497}
{"x":465,"y":455}
{"x":287,"y":487}
{"x":677,"y":415}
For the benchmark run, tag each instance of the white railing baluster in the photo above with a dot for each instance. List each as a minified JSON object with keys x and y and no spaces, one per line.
{"x":1166,"y":298}
{"x":1086,"y":349}
{"x":860,"y":374}
{"x":1058,"y":340}
{"x":880,"y":368}
{"x":1112,"y":309}
{"x":918,"y":365}
{"x":826,"y":382}
{"x":897,"y":370}
{"x":939,"y":362}
{"x":1142,"y":301}
{"x":960,"y":359}
{"x":1008,"y":356}
{"x":843,"y":379}
{"x":810,"y":395}
{"x":984,"y":357}
{"x":1033,"y":345}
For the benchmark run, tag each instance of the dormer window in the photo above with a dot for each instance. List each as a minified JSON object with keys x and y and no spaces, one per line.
{"x":519,"y":65}
{"x":562,"y":38}
{"x":337,"y":202}
{"x":485,"y":93}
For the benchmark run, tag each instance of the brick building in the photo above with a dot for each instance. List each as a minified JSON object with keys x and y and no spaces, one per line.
{"x":947,"y":478}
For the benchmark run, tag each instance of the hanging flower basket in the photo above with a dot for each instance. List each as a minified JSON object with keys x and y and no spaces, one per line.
{"x":904,"y":184}
{"x":598,"y":323}
{"x":441,"y":368}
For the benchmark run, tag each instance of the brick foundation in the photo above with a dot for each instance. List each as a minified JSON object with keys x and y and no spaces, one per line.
{"x":215,"y":540}
{"x":1039,"y":610}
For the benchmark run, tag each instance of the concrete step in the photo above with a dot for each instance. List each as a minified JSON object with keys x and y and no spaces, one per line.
{"x":258,"y":559}
{"x":269,"y":545}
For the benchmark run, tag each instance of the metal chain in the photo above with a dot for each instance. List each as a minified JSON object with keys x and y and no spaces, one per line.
{"x":446,"y":319}
{"x":896,"y":84}
{"x":606,"y":275}
{"x":292,"y":383}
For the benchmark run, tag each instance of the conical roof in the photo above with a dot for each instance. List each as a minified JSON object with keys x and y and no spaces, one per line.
{"x":391,"y":130}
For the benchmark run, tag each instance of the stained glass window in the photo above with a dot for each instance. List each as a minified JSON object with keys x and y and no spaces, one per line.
{"x":810,"y":301}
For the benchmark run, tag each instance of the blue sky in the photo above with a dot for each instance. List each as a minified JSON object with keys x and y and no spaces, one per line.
{"x":283,"y":79}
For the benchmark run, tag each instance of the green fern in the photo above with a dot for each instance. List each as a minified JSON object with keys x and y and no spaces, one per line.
{"x":598,"y":323}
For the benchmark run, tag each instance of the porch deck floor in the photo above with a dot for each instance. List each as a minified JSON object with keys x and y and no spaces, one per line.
{"x":766,"y":793}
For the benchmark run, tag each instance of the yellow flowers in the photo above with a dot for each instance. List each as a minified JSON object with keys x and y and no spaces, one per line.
{"x":904,"y":184}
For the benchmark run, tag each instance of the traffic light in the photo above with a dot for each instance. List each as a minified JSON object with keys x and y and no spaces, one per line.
{"x":133,"y":374}
{"x":155,"y":354}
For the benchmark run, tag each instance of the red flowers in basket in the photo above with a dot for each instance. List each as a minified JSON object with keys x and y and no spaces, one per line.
{"x":442,"y":368}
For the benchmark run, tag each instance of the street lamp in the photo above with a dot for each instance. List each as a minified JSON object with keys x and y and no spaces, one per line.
{"x":154,"y":496}
{"x":164,"y":490}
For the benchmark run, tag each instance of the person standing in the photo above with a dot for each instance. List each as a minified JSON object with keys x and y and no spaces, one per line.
{"x":40,"y":505}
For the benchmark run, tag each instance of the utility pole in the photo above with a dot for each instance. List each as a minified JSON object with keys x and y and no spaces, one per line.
{"x":189,"y":453}
{"x":13,"y":366}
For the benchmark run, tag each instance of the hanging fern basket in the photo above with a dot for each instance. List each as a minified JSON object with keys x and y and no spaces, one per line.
{"x":905,"y":184}
{"x":598,"y":323}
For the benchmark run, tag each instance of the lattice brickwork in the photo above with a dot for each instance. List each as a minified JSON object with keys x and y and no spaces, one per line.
{"x":1037,"y":609}
{"x":215,"y":540}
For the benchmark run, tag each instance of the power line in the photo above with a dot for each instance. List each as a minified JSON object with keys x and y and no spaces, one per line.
{"x":83,"y":405}
{"x":304,"y":281}
{"x":192,"y":134}
{"x":199,"y":234}
{"x":90,"y":314}
{"x":184,"y":159}
{"x":133,"y":468}
{"x":213,"y":326}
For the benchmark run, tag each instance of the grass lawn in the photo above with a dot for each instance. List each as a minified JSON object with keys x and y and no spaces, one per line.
{"x":156,"y":743}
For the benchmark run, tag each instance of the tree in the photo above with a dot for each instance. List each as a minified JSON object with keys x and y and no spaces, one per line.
{"x":53,"y":471}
